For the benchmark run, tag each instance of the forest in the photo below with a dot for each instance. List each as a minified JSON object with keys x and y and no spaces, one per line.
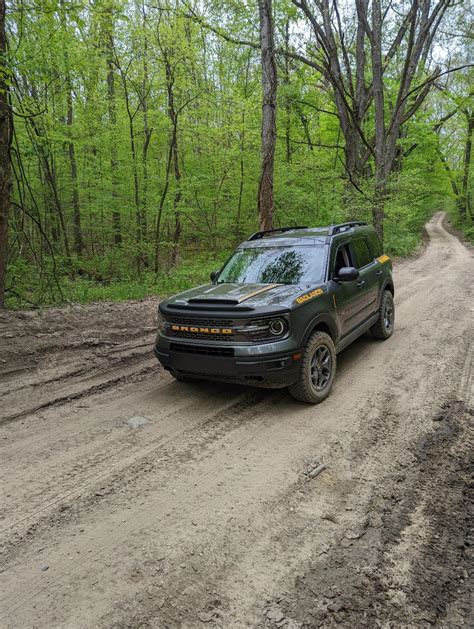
{"x":141,"y":140}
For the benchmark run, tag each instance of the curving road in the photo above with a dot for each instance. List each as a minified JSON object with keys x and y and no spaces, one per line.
{"x":208,"y":513}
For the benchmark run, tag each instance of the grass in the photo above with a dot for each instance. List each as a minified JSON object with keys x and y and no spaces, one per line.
{"x":466,"y":227}
{"x":30,"y":291}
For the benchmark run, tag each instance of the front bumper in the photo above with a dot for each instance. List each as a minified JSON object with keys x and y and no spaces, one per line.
{"x":253,"y":365}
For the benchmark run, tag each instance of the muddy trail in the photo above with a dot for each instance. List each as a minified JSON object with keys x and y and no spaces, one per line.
{"x":131,"y":500}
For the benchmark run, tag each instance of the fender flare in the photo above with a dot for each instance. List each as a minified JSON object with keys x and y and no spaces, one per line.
{"x":328,"y":321}
{"x":388,"y":284}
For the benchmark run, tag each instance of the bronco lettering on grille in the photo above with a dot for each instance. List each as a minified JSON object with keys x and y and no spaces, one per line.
{"x":199,"y":330}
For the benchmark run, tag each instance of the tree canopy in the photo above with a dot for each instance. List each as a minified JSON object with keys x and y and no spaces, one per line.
{"x":134,"y":155}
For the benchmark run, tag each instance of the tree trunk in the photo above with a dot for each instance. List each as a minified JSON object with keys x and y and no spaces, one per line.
{"x":269,"y":89}
{"x":466,"y":194}
{"x":380,"y":147}
{"x":147,"y":133}
{"x":173,"y":160}
{"x":173,"y":115}
{"x":238,"y":230}
{"x":287,"y":95}
{"x":5,"y":143}
{"x":136,"y":187}
{"x":78,"y":240}
{"x":112,"y":112}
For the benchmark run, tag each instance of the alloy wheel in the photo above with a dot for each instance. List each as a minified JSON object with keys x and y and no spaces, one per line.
{"x":321,"y":368}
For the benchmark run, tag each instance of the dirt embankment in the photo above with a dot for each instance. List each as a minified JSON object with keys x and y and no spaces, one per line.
{"x":52,"y":356}
{"x":130,"y":500}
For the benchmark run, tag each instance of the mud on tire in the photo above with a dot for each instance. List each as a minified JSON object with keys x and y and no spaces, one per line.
{"x":383,"y":329}
{"x":317,"y":370}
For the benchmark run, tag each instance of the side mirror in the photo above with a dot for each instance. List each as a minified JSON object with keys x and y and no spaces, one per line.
{"x":347,"y":274}
{"x":214,"y":275}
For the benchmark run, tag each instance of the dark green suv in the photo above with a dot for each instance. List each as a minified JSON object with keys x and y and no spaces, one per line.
{"x":281,"y":308}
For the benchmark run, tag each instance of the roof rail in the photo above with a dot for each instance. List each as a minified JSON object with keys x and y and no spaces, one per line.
{"x":336,"y":229}
{"x":263,"y":233}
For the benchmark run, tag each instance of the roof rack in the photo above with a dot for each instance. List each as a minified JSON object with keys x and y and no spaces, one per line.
{"x":265,"y":232}
{"x":336,"y":229}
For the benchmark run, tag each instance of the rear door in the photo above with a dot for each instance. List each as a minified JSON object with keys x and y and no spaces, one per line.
{"x":368,"y":268}
{"x":377,"y":250}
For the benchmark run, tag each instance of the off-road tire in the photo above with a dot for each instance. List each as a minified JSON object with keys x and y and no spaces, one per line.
{"x":383,"y":329}
{"x":304,"y":389}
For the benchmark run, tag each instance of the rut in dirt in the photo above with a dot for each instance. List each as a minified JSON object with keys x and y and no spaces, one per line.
{"x":51,"y":357}
{"x":411,"y":560}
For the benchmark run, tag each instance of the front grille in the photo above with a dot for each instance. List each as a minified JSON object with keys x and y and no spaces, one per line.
{"x":202,"y":323}
{"x":239,"y":334}
{"x":198,"y":336}
{"x":212,"y":323}
{"x":202,"y":350}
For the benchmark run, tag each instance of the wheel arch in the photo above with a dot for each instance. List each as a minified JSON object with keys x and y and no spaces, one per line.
{"x":322,"y":323}
{"x":389,"y":286}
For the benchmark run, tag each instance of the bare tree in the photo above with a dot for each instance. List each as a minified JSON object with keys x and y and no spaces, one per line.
{"x":5,"y":143}
{"x":355,"y":54}
{"x":356,"y":74}
{"x":269,"y":89}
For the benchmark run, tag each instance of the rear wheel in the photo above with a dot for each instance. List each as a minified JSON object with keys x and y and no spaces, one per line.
{"x":317,"y":371}
{"x":383,"y":329}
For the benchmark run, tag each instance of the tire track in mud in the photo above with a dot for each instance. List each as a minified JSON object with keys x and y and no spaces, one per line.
{"x":70,"y":377}
{"x":410,"y":566}
{"x":49,"y":358}
{"x":75,"y":391}
{"x":121,"y":488}
{"x":120,"y":482}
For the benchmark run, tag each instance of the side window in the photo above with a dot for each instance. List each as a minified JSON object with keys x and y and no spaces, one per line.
{"x":362,"y":252}
{"x":343,"y":258}
{"x":375,"y":245}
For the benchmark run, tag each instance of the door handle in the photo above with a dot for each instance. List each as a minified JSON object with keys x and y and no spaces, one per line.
{"x":379,"y":272}
{"x":360,"y":282}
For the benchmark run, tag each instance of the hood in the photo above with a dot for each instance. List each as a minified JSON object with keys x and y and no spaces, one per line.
{"x":235,"y":297}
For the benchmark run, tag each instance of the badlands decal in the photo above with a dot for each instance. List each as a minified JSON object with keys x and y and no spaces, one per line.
{"x":314,"y":293}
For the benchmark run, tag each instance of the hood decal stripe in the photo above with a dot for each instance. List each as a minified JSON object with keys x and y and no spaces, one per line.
{"x":257,"y":292}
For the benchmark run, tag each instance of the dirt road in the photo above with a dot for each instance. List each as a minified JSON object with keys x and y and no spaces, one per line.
{"x":206,"y":515}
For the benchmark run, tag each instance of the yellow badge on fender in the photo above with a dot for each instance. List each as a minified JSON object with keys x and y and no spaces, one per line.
{"x":314,"y":293}
{"x":383,"y":259}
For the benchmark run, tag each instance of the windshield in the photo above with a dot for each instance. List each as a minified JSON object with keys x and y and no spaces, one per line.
{"x":303,"y":264}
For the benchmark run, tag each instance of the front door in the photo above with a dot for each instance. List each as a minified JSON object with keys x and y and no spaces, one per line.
{"x":350,"y":297}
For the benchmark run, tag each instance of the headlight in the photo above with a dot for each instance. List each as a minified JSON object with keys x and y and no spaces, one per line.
{"x":161,"y":322}
{"x":277,"y":327}
{"x":266,"y":329}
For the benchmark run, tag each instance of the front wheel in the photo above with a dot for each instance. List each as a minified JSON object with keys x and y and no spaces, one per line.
{"x":383,"y":329}
{"x":317,"y":371}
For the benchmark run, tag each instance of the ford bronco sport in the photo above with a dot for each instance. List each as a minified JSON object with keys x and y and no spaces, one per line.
{"x":281,"y":308}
